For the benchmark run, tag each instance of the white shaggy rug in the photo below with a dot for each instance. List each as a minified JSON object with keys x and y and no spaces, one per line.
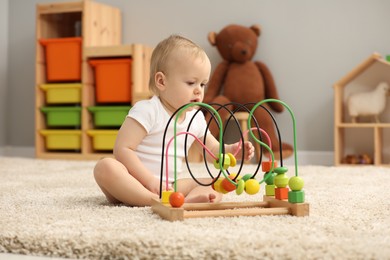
{"x":54,"y":208}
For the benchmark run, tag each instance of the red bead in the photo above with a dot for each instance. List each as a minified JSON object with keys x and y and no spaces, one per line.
{"x":176,"y":199}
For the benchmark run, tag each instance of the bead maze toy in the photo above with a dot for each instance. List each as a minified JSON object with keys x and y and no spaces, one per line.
{"x":283,"y":195}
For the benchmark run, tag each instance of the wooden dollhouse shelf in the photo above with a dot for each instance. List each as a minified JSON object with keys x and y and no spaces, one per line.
{"x":365,"y":136}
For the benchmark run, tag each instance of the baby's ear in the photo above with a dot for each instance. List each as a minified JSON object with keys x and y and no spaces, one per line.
{"x":159,"y":78}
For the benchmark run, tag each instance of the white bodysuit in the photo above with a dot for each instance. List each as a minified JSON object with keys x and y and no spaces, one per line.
{"x":153,"y":117}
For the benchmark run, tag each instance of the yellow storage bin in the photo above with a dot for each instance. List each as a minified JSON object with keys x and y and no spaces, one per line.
{"x":103,"y":140}
{"x":62,"y":139}
{"x":66,"y":93}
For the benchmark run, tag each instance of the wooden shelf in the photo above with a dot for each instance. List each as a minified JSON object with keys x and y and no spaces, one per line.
{"x":100,"y":30}
{"x":363,"y":137}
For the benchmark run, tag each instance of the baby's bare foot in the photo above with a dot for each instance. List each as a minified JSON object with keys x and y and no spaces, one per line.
{"x":202,"y":198}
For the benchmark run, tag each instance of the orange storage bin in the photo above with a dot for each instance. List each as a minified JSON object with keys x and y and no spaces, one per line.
{"x":63,"y":59}
{"x":112,"y":80}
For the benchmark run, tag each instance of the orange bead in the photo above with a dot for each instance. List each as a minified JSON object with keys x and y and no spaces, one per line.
{"x":227,"y":185}
{"x":266,"y":165}
{"x":176,"y":199}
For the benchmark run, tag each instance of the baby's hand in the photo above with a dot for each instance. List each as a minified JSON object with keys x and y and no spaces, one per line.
{"x":249,"y":150}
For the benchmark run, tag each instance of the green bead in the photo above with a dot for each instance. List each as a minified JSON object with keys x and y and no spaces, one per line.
{"x":280,"y":170}
{"x":226,"y":162}
{"x":296,"y":196}
{"x":281,"y":180}
{"x":296,"y":183}
{"x":270,"y":190}
{"x":240,"y":187}
{"x":270,"y":179}
{"x":247,"y":176}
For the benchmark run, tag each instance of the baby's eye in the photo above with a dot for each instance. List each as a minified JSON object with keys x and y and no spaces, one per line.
{"x":190,"y":83}
{"x":203,"y":85}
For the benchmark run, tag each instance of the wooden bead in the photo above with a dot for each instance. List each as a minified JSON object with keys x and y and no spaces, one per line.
{"x":227,"y":185}
{"x":266,"y":166}
{"x":270,"y":190}
{"x":281,"y":180}
{"x":252,"y":186}
{"x":233,"y":161}
{"x":296,"y":183}
{"x":226,"y":162}
{"x":296,"y":196}
{"x":165,"y":196}
{"x":281,"y":193}
{"x":240,"y":187}
{"x":176,"y":199}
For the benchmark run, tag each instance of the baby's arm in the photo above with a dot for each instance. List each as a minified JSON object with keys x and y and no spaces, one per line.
{"x":129,"y":137}
{"x":213,"y":145}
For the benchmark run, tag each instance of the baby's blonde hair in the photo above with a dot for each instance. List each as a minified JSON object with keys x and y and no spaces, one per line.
{"x":162,"y":52}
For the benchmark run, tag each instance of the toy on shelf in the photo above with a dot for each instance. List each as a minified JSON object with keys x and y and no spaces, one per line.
{"x":283,"y":195}
{"x":362,"y":159}
{"x":369,"y":103}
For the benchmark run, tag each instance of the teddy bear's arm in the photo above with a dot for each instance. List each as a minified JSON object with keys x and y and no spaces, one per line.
{"x":269,"y":86}
{"x":216,"y":81}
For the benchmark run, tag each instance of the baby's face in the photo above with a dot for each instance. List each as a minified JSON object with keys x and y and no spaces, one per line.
{"x":186,"y":79}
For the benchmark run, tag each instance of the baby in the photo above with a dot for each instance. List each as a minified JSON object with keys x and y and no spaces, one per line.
{"x":179,"y":72}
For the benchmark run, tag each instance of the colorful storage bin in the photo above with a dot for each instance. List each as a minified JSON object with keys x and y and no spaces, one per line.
{"x":66,"y":93}
{"x":109,"y":116}
{"x":103,"y":140}
{"x":62,"y":139}
{"x":63,"y":59}
{"x":62,"y":116}
{"x":112,"y":80}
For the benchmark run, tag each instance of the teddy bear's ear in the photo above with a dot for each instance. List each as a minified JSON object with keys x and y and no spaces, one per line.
{"x":212,"y":37}
{"x":256,"y":28}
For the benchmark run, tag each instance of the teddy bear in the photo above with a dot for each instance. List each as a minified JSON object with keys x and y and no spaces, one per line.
{"x":238,"y":79}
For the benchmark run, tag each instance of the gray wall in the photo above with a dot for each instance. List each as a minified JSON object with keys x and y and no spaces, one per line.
{"x":307,"y":44}
{"x":3,"y":69}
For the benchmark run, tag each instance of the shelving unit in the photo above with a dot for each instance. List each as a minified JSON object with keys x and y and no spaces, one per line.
{"x":365,"y":136}
{"x":140,"y":55}
{"x":99,"y":27}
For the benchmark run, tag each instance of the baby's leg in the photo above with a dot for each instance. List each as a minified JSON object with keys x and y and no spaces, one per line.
{"x":196,"y":193}
{"x":119,"y":186}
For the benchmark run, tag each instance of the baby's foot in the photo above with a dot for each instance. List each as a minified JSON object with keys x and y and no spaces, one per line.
{"x":201,"y":198}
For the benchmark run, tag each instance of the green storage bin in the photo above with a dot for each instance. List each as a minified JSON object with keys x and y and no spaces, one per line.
{"x":62,"y":116}
{"x":109,"y":116}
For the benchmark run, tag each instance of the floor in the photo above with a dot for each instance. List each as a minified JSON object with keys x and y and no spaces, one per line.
{"x":23,"y":257}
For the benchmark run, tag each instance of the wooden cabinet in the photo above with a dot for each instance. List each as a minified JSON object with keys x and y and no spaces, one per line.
{"x":99,"y":27}
{"x":365,"y":136}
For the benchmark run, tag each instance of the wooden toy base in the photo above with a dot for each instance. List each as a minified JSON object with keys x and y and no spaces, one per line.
{"x":269,"y":206}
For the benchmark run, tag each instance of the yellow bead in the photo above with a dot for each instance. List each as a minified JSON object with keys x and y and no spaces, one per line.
{"x":252,"y":186}
{"x":217,"y":186}
{"x":233,"y":161}
{"x":165,"y":196}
